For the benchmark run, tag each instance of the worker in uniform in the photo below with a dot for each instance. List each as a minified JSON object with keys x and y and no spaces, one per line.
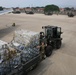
{"x":42,"y":51}
{"x":42,"y":46}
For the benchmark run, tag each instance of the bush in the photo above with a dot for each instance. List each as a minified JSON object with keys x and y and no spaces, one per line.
{"x":1,"y":8}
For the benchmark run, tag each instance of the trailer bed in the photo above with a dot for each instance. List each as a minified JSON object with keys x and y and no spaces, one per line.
{"x":24,"y":68}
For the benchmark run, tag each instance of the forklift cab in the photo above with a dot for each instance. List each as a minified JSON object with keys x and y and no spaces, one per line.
{"x":52,"y":31}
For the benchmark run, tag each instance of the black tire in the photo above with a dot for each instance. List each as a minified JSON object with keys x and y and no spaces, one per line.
{"x":48,"y":51}
{"x":58,"y":44}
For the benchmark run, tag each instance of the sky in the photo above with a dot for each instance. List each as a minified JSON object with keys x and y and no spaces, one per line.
{"x":33,"y":3}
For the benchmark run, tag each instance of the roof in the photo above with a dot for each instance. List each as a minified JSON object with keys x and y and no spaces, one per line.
{"x":49,"y":26}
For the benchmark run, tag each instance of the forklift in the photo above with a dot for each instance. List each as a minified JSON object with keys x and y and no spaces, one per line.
{"x":52,"y":37}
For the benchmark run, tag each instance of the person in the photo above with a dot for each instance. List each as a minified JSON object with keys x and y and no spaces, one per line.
{"x":41,"y":37}
{"x":13,"y":24}
{"x":42,"y":50}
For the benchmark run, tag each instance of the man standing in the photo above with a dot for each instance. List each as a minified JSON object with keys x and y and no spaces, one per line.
{"x":42,"y":51}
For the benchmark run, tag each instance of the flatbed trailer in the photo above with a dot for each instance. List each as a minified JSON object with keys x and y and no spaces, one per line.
{"x":25,"y":67}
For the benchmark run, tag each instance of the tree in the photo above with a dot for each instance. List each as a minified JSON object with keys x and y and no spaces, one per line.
{"x":1,"y":8}
{"x":51,"y":8}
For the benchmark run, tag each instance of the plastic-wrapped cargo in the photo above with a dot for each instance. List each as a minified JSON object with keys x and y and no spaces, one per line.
{"x":15,"y":61}
{"x":9,"y":58}
{"x":2,"y":50}
{"x":26,"y":37}
{"x":3,"y":64}
{"x":9,"y":65}
{"x":26,"y":41}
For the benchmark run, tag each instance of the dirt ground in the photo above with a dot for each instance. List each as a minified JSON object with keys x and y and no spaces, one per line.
{"x":62,"y":61}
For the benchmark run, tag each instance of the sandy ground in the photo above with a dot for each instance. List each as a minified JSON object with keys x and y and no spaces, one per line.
{"x":62,"y":61}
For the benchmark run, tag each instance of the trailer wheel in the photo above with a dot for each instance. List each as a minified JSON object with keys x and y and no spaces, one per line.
{"x":58,"y":44}
{"x":48,"y":51}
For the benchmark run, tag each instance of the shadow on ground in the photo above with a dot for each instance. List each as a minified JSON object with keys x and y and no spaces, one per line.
{"x":41,"y":68}
{"x":7,"y":30}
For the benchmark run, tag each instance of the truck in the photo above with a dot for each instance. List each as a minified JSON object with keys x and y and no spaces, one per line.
{"x":29,"y":12}
{"x":70,"y":14}
{"x":27,"y":55}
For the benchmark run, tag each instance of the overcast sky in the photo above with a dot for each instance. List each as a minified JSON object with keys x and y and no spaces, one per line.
{"x":26,"y":3}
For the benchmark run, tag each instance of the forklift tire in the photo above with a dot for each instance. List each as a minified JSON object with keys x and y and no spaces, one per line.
{"x":58,"y":44}
{"x":48,"y":51}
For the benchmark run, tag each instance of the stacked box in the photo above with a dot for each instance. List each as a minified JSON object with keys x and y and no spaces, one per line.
{"x":26,"y":37}
{"x":9,"y":58}
{"x":9,"y":65}
{"x":15,"y":61}
{"x":27,"y":43}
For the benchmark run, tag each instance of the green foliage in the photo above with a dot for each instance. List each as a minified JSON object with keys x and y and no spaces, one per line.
{"x":1,"y":8}
{"x":51,"y":8}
